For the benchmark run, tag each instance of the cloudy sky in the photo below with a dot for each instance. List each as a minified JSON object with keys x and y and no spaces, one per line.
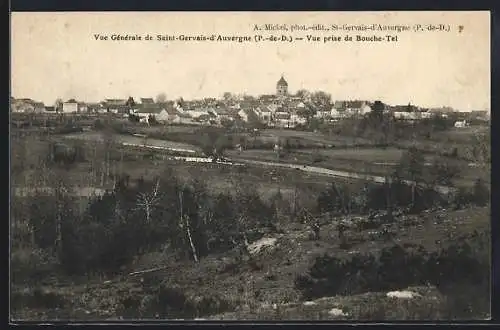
{"x":55,"y":55}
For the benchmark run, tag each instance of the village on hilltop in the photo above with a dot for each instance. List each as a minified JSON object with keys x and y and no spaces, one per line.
{"x":280,"y":109}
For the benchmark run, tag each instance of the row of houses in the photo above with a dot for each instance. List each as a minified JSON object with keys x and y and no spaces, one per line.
{"x":266,"y":109}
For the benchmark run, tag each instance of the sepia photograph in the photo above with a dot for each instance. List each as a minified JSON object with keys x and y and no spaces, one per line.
{"x":250,"y":166}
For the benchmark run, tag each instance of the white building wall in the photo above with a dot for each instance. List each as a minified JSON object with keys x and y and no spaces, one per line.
{"x":70,"y":107}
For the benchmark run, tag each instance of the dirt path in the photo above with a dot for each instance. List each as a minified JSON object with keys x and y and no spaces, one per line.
{"x":335,"y":173}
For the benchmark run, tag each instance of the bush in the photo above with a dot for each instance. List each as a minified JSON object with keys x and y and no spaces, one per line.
{"x":36,"y":298}
{"x":443,"y":173}
{"x":30,"y":265}
{"x":479,"y":195}
{"x":465,"y":262}
{"x":173,"y":302}
{"x":342,"y":199}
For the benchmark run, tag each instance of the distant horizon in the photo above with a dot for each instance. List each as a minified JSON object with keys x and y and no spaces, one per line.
{"x":55,"y":55}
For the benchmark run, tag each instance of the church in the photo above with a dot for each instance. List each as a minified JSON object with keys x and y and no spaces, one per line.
{"x":282,"y":87}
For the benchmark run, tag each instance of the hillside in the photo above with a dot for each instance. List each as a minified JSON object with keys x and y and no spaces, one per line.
{"x":229,"y":286}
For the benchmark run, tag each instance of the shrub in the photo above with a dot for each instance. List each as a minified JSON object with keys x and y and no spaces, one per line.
{"x":465,"y":262}
{"x":30,"y":265}
{"x":478,"y":195}
{"x":119,"y":225}
{"x":481,"y":193}
{"x":36,"y":298}
{"x":173,"y":302}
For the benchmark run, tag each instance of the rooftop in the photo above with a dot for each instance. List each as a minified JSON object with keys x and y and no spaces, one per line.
{"x":282,"y":82}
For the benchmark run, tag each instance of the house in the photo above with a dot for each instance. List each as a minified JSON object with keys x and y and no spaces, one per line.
{"x":297,"y":120}
{"x":116,"y":105}
{"x":173,"y":115}
{"x":283,"y":119}
{"x":461,"y":124}
{"x":146,"y":111}
{"x":282,"y":116}
{"x":426,"y":114}
{"x":243,"y":115}
{"x":410,"y":112}
{"x":272,"y":107}
{"x":82,"y":107}
{"x":166,"y":114}
{"x":70,"y":106}
{"x":322,"y":114}
{"x":233,"y":114}
{"x":337,"y":113}
{"x":223,"y":114}
{"x":479,"y":115}
{"x":266,"y":99}
{"x":404,"y":115}
{"x":160,"y":114}
{"x":204,"y":119}
{"x":38,"y":107}
{"x":196,"y":113}
{"x":95,"y":107}
{"x":147,"y":100}
{"x":299,"y":105}
{"x":22,"y":105}
{"x":351,"y":108}
{"x":181,"y":118}
{"x":50,"y":110}
{"x":248,"y":104}
{"x":443,"y":112}
{"x":265,"y":116}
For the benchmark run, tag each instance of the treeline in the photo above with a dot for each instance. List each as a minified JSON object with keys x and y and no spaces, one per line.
{"x":139,"y":217}
{"x":385,"y":129}
{"x":144,"y":216}
{"x":421,"y":193}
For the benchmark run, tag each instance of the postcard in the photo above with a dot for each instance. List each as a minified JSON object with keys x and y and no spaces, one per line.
{"x":250,"y":166}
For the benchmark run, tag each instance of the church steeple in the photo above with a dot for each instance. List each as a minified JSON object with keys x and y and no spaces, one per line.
{"x":282,"y":86}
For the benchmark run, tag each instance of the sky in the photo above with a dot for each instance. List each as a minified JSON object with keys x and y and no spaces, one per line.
{"x":56,"y":55}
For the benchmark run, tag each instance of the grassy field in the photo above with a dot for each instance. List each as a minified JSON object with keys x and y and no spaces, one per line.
{"x":312,"y":138}
{"x":218,"y":178}
{"x":334,"y":151}
{"x":363,"y":160}
{"x":377,"y":161}
{"x":461,"y":135}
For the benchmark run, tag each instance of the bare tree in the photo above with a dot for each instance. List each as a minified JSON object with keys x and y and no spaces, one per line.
{"x":242,"y":222}
{"x":62,"y":191}
{"x":303,"y":94}
{"x":108,"y":143}
{"x":160,"y":98}
{"x":312,"y":221}
{"x":321,"y":98}
{"x":58,"y":104}
{"x":389,"y":198}
{"x":184,"y":223}
{"x":412,"y":165}
{"x":148,"y":201}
